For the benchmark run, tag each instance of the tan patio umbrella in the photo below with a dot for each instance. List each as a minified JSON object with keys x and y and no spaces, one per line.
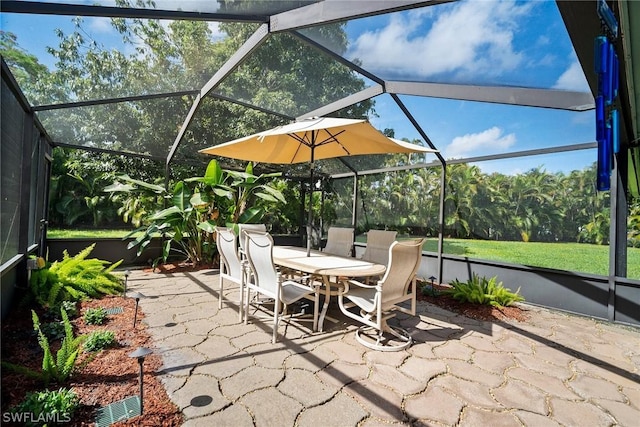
{"x":313,"y":139}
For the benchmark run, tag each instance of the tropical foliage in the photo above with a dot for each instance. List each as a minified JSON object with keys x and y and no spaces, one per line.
{"x":532,"y":206}
{"x":74,"y":278}
{"x":480,"y":290}
{"x":197,"y":205}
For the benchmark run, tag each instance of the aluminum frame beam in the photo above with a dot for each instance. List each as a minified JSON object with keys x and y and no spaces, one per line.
{"x":347,"y":101}
{"x":517,"y":154}
{"x":107,"y":151}
{"x":104,"y":101}
{"x":329,"y":11}
{"x":44,"y":8}
{"x":545,"y":98}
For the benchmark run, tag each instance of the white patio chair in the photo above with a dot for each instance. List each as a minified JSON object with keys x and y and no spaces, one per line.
{"x":231,"y":267}
{"x":376,"y":304}
{"x":250,"y":227}
{"x":265,"y":280}
{"x":339,"y":241}
{"x":378,"y":244}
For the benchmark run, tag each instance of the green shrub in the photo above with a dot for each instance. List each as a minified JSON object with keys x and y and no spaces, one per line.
{"x":46,"y":407}
{"x":99,"y":340}
{"x":70,"y":307}
{"x":95,"y":316}
{"x":54,"y":369}
{"x":73,"y":279}
{"x":480,"y":290}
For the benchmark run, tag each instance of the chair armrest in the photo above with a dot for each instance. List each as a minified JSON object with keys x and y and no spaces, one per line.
{"x":348,"y":283}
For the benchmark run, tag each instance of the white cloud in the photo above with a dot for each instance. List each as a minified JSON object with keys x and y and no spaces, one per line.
{"x":480,"y":143}
{"x":100,"y":25}
{"x":472,"y":37}
{"x":573,"y":79}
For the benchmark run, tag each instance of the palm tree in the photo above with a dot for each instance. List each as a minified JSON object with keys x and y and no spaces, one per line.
{"x":461,"y":186}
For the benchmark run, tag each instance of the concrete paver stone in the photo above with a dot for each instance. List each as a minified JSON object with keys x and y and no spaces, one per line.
{"x":306,"y":388}
{"x":392,"y":377}
{"x":436,"y":404}
{"x":572,"y":413}
{"x":518,"y":395}
{"x":340,"y":411}
{"x":473,"y":417}
{"x":199,"y":388}
{"x":248,"y":380}
{"x":271,"y":408}
{"x":453,"y":350}
{"x":473,"y":373}
{"x":382,"y":402}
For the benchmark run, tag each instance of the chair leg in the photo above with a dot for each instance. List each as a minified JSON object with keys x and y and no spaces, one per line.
{"x":241,"y":302}
{"x":316,"y":302}
{"x":375,"y":340}
{"x":246,"y":307}
{"x":276,"y":317}
{"x":220,"y":292}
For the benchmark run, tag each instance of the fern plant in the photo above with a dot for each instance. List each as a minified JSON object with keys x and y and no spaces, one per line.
{"x":54,"y":369}
{"x":74,"y":278}
{"x":480,"y":290}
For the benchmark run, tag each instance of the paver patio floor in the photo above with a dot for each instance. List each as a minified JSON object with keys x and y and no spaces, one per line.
{"x":554,"y":369}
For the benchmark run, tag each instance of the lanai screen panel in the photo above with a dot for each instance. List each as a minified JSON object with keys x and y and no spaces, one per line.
{"x":217,"y":121}
{"x":465,"y":42}
{"x":144,"y":127}
{"x":116,"y":55}
{"x":467,"y":129}
{"x":289,"y":77}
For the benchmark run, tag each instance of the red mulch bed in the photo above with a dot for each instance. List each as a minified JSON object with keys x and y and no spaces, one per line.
{"x":474,"y":311}
{"x":111,"y":376}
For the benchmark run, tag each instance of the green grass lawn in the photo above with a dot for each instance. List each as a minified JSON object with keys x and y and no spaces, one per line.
{"x":54,"y":233}
{"x":580,"y":257}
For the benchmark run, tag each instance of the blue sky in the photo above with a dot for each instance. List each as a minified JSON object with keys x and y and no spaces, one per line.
{"x":468,"y":42}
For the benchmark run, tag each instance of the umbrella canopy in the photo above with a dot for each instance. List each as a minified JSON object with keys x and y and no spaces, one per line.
{"x":313,"y":139}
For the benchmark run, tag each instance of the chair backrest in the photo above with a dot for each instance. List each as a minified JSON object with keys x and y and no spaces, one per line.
{"x":339,"y":241}
{"x":259,"y":250}
{"x":404,"y":261}
{"x":378,"y":244}
{"x":251,"y":227}
{"x":227,"y":243}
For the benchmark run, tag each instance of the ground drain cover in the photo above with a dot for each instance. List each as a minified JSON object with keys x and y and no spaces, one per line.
{"x":118,"y":411}
{"x":113,"y":310}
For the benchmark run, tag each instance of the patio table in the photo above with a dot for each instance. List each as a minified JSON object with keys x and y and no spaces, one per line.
{"x":324,"y":265}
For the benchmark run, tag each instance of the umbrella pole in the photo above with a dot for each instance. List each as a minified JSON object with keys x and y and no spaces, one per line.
{"x":310,"y":215}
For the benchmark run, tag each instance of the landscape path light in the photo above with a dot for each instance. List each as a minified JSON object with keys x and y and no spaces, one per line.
{"x":140,"y":353}
{"x":126,"y":278}
{"x":137,"y":296}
